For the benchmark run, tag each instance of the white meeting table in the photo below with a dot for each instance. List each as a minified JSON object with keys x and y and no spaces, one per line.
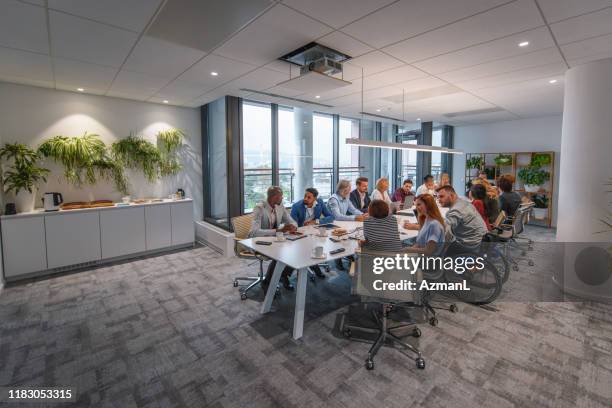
{"x":298,"y":255}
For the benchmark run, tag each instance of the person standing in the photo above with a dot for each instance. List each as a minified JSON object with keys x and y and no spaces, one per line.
{"x":359,"y":196}
{"x":270,"y":217}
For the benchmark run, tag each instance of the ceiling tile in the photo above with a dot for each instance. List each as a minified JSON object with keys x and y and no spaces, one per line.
{"x":528,"y":99}
{"x":25,"y":67}
{"x":593,"y":47}
{"x":345,"y":44}
{"x":512,"y":18}
{"x":136,"y":85}
{"x":392,"y":76}
{"x":70,"y":75}
{"x":180,"y":92}
{"x":158,"y":57}
{"x":456,"y":102}
{"x":501,"y":66}
{"x":76,"y":38}
{"x":339,"y":12}
{"x":272,"y":35}
{"x":259,"y":80}
{"x":538,"y":38}
{"x":487,"y":117}
{"x":204,"y":25}
{"x":546,"y":72}
{"x":408,"y":18}
{"x":23,"y":26}
{"x":226,"y":69}
{"x":583,"y":27}
{"x":555,"y":10}
{"x":132,"y":15}
{"x":371,"y":63}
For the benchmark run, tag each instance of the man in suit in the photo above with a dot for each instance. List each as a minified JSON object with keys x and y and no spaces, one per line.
{"x":359,"y":196}
{"x":310,"y":210}
{"x":270,"y":217}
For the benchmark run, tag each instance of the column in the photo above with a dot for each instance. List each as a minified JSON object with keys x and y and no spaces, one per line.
{"x":585,"y":169}
{"x":302,"y":159}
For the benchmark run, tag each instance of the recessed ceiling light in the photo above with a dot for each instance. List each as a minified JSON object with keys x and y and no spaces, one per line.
{"x":377,"y":110}
{"x":214,"y":73}
{"x":165,"y":101}
{"x":418,"y":118}
{"x":552,"y":81}
{"x":317,"y":96}
{"x":80,"y":89}
{"x":524,"y":44}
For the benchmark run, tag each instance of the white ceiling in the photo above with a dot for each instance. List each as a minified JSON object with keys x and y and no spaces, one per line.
{"x":437,"y":56}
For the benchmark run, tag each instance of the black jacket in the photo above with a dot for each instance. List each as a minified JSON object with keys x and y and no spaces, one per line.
{"x":356,"y":200}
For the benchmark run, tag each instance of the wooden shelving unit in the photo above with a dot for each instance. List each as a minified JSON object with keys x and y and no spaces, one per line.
{"x":519,"y":161}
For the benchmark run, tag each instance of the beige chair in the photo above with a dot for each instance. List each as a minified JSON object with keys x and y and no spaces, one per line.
{"x":242,"y":227}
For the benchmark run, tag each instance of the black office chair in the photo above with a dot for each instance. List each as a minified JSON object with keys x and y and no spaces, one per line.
{"x":386,"y":302}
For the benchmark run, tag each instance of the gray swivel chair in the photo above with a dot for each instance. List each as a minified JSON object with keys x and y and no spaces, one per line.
{"x":385,"y":302}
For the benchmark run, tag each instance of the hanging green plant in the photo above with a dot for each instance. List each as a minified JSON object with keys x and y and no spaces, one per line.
{"x":533,"y":176}
{"x":503,"y":160}
{"x":85,"y":159}
{"x":137,"y":153}
{"x":170,"y":143}
{"x":23,"y":173}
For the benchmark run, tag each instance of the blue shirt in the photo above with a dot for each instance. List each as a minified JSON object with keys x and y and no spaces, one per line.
{"x":340,"y":207}
{"x":431,"y":230}
{"x":320,"y":211}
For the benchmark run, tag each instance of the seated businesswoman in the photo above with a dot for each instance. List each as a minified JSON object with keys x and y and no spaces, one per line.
{"x":430,"y":239}
{"x":380,"y":229}
{"x":311,"y":209}
{"x":478,"y":195}
{"x":381,"y":192}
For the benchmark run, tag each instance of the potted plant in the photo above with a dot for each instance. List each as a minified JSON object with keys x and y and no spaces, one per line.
{"x":503,"y":160}
{"x":22,"y":176}
{"x":533,"y":178}
{"x":540,"y":210}
{"x":540,"y":159}
{"x":474,"y":163}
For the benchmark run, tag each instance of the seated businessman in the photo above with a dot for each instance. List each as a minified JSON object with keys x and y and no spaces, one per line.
{"x":310,"y":210}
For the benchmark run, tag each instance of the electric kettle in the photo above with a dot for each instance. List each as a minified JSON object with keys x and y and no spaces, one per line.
{"x":52,"y":201}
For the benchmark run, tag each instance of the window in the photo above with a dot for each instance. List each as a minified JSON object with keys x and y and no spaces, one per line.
{"x":287,"y":154}
{"x":322,"y":154}
{"x":256,"y":152}
{"x":216,"y":207}
{"x":408,"y":158}
{"x":348,"y":154}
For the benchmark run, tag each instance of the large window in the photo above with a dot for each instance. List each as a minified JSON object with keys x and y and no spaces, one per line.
{"x":216,"y":206}
{"x":256,"y":152}
{"x":287,"y":154}
{"x":323,"y":154}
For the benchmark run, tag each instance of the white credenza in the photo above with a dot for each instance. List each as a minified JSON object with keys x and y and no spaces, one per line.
{"x":38,"y":242}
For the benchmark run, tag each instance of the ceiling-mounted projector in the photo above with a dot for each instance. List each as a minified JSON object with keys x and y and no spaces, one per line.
{"x":317,"y":63}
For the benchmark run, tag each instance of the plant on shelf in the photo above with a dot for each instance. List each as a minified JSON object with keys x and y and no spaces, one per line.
{"x":503,"y":160}
{"x":137,"y":153}
{"x":85,"y":159}
{"x":170,"y":143}
{"x":474,"y":162}
{"x":540,"y":159}
{"x":533,"y":178}
{"x":22,"y":176}
{"x":540,"y":210}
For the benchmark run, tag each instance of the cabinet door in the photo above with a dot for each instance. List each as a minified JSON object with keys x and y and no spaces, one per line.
{"x":183,"y":229}
{"x":23,"y":245}
{"x":72,"y":238}
{"x":123,"y":231}
{"x":159,"y":226}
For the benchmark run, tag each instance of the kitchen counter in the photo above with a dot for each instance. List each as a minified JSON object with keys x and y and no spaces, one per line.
{"x":41,"y":212}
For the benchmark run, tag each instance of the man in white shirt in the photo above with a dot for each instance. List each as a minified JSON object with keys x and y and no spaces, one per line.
{"x":428,"y":187}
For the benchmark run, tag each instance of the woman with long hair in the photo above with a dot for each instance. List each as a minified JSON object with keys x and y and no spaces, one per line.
{"x":381,"y":193}
{"x":491,"y":200}
{"x":444,"y":180}
{"x":431,"y":236}
{"x":478,"y":195}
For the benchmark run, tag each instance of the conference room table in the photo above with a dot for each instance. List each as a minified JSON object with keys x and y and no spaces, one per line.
{"x":299,"y":256}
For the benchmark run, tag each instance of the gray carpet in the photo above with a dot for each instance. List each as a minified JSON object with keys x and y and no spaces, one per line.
{"x":171,"y":331}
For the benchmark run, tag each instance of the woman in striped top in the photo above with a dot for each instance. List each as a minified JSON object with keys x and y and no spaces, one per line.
{"x":380,"y":229}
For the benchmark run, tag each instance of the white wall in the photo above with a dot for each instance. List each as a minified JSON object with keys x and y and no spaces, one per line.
{"x":30,"y":115}
{"x":525,"y":135}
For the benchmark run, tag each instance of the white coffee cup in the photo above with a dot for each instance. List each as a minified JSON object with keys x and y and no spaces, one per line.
{"x":318,"y":251}
{"x":322,"y":232}
{"x":280,"y":236}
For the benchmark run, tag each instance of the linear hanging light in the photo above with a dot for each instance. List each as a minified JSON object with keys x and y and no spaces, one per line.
{"x":401,"y":146}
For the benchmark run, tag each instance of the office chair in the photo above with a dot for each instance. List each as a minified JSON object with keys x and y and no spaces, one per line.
{"x":242,"y":227}
{"x":510,"y":236}
{"x":386,"y":301}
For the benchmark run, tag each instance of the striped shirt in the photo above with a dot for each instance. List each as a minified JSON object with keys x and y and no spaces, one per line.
{"x":382,"y":234}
